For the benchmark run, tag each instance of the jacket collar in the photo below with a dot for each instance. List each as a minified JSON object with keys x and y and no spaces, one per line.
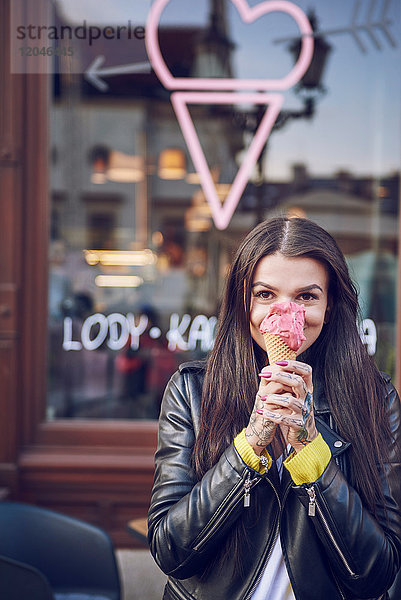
{"x":320,"y":402}
{"x":336,"y":443}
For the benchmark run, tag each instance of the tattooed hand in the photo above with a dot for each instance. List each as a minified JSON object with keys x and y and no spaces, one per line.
{"x":260,"y":431}
{"x":292,"y":404}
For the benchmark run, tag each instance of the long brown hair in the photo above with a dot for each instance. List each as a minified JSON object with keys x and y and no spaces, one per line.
{"x":352,"y":383}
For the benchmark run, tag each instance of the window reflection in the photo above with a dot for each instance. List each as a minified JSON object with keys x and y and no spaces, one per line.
{"x":136,"y":263}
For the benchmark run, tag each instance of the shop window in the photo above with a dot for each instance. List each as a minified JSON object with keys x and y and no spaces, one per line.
{"x":137,"y":255}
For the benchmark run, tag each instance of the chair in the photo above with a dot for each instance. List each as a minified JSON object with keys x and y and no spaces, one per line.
{"x":19,"y":581}
{"x":78,"y":559}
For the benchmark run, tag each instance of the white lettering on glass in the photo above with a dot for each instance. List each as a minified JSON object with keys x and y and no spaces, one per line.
{"x":68,"y":344}
{"x":118,"y":331}
{"x":176,"y":331}
{"x":368,"y":333}
{"x":201,"y":330}
{"x":136,"y":330}
{"x":182,"y":334}
{"x":212,"y":329}
{"x":97,"y":341}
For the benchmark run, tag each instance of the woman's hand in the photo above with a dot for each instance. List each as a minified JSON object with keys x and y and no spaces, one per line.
{"x":291,"y":403}
{"x":260,"y":431}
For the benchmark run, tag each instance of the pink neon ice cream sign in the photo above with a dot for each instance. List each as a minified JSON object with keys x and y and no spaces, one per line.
{"x":204,"y":95}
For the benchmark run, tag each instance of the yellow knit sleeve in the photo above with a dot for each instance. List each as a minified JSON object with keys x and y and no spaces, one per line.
{"x":308,"y":465}
{"x":248,"y":455}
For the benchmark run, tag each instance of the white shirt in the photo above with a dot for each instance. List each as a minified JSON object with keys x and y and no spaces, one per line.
{"x":275,"y":583}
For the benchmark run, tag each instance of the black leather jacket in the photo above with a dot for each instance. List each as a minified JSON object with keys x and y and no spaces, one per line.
{"x":341,"y":552}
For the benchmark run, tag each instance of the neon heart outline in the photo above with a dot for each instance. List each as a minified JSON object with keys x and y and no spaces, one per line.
{"x":222,"y":213}
{"x":248,"y":15}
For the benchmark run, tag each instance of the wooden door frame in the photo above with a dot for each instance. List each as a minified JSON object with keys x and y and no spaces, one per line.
{"x":99,"y":470}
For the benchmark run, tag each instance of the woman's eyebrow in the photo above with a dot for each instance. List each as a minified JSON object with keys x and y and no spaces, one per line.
{"x":266,"y":285}
{"x":308,"y":288}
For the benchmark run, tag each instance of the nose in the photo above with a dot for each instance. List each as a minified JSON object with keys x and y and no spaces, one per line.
{"x":284,"y":299}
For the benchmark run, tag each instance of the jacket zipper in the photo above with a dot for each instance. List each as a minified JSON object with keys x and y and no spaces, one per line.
{"x":247,"y":489}
{"x":312,"y":508}
{"x":243,"y":487}
{"x":276,"y":533}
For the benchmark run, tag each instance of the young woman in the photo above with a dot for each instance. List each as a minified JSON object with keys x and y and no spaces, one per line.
{"x":281,"y":481}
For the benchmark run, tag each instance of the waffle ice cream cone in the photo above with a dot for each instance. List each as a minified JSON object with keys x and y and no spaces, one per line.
{"x":277,"y":349}
{"x":282,"y":330}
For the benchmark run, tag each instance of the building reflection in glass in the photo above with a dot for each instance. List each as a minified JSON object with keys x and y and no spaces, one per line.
{"x":136,"y":264}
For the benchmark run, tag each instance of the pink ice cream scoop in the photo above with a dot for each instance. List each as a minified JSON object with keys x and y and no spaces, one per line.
{"x":285,"y":320}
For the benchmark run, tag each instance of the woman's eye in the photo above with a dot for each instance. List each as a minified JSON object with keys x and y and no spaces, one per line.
{"x":264,"y":294}
{"x":306,"y":296}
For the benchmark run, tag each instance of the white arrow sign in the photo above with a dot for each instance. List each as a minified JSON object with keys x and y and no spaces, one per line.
{"x":94,"y":72}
